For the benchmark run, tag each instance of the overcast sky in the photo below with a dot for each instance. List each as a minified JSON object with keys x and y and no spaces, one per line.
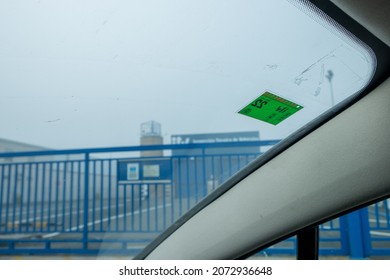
{"x":87,"y":73}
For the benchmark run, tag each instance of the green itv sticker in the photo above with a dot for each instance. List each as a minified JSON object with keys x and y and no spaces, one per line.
{"x":270,"y":108}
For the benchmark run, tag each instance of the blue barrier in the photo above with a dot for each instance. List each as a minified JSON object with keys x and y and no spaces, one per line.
{"x":111,"y":200}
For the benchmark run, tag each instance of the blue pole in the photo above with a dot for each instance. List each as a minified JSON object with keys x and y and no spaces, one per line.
{"x":35,"y":197}
{"x":355,"y":234}
{"x":64,"y":184}
{"x":57,"y":194}
{"x":50,"y":192}
{"x":15,"y":196}
{"x":28,"y":197}
{"x":1,"y":192}
{"x":78,"y":193}
{"x":204,"y":172}
{"x":71,"y":195}
{"x":101,"y":193}
{"x":21,"y":199}
{"x":94,"y":192}
{"x":344,"y":246}
{"x":43,"y":194}
{"x":124,"y":208}
{"x":86,"y":185}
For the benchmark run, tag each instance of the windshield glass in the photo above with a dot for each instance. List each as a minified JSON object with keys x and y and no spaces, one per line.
{"x":88,"y":74}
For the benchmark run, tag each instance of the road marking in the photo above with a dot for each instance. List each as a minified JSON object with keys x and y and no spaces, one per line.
{"x":67,"y":213}
{"x":380,"y":233}
{"x":105,"y":220}
{"x":50,"y":235}
{"x":39,"y":211}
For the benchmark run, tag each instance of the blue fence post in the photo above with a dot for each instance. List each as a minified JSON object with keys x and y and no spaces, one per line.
{"x":204,"y":172}
{"x":355,"y":235}
{"x":366,"y":231}
{"x":343,"y":226}
{"x":86,"y":189}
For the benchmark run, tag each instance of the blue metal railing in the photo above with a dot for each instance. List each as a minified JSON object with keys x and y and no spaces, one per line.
{"x":170,"y":147}
{"x":75,"y":196}
{"x":78,"y":200}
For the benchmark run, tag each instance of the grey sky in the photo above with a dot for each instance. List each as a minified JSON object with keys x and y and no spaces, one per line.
{"x":88,"y":73}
